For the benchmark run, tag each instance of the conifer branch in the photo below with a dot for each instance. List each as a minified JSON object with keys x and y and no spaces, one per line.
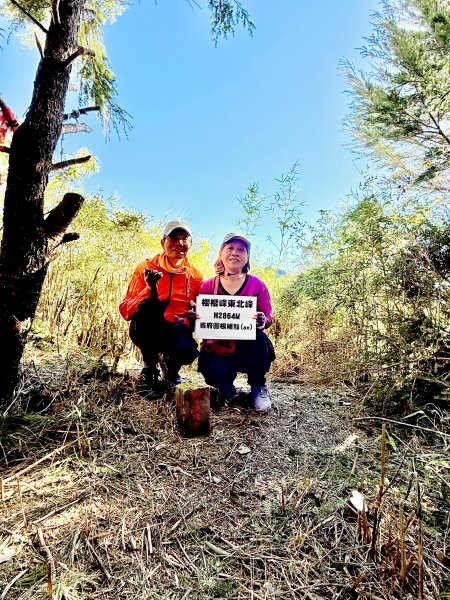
{"x":25,"y":12}
{"x":439,"y":130}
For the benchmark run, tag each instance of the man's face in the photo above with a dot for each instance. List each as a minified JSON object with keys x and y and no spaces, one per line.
{"x":176,"y":245}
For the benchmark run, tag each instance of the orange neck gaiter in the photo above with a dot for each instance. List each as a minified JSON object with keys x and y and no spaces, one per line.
{"x":167,"y":266}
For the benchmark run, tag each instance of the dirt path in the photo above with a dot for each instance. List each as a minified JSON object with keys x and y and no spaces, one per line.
{"x":259,"y":509}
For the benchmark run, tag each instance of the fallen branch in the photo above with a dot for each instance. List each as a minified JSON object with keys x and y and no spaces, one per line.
{"x":56,"y":511}
{"x":99,"y":561}
{"x":15,"y":476}
{"x":402,"y":423}
{"x":50,"y":562}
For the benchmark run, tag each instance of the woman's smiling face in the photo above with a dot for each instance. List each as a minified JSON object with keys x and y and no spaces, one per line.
{"x":234,"y":256}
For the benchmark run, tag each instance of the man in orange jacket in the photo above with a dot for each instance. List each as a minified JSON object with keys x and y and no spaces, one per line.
{"x":158,"y":305}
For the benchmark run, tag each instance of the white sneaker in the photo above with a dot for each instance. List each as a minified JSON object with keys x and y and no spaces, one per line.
{"x":261,"y":399}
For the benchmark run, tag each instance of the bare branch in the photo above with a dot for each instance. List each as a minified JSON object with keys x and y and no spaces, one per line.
{"x":55,"y":11}
{"x":75,"y":128}
{"x":5,"y":149}
{"x":59,"y":219}
{"x":81,"y":111}
{"x":25,"y":12}
{"x":70,"y":162}
{"x":79,"y":52}
{"x":39,"y":47}
{"x":70,"y":237}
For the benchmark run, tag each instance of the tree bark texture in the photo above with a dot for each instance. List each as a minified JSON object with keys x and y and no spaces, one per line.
{"x":28,"y":237}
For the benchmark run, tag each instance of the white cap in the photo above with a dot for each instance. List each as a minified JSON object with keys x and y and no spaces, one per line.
{"x":235,"y":236}
{"x":172,"y":225}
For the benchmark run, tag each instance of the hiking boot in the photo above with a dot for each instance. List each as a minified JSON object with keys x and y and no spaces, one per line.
{"x":261,"y":399}
{"x":169,"y":373}
{"x":227,"y":391}
{"x":240,"y":400}
{"x":149,"y":384}
{"x":173,"y":378}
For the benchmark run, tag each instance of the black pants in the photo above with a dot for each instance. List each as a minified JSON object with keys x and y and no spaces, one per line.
{"x":153,"y":335}
{"x":252,"y":357}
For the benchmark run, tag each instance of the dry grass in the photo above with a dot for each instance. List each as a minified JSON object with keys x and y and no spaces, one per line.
{"x":102,"y":499}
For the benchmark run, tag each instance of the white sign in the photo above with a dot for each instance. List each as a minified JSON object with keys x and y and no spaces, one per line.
{"x":225,"y":317}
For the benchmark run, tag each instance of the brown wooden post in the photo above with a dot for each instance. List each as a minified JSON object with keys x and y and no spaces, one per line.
{"x":192,"y":410}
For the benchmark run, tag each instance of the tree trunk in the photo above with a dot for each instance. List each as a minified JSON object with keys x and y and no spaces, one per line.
{"x":29,"y":238}
{"x":192,"y":410}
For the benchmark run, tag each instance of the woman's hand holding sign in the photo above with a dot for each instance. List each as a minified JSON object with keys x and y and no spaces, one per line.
{"x":235,"y":307}
{"x":260,"y":319}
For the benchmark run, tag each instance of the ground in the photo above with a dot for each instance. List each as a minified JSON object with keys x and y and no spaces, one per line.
{"x":102,"y":497}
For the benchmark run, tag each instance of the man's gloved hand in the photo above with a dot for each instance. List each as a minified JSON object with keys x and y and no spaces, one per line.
{"x":260,"y":319}
{"x":152,"y":277}
{"x":188,"y":318}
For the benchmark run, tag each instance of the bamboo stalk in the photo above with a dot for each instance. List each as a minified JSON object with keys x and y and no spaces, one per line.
{"x":99,"y":561}
{"x":37,"y":462}
{"x":402,"y":544}
{"x":379,"y":497}
{"x":50,"y":562}
{"x":11,"y":583}
{"x":420,"y":562}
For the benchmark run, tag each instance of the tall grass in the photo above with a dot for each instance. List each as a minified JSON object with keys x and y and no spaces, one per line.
{"x":374,"y":308}
{"x":88,"y":279}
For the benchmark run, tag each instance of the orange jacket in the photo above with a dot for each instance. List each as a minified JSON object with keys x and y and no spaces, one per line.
{"x":180,"y":288}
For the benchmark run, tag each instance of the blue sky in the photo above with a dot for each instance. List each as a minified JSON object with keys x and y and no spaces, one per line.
{"x":208,"y":121}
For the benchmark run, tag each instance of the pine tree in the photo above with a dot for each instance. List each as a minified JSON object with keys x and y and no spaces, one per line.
{"x":401,"y":106}
{"x":72,"y":31}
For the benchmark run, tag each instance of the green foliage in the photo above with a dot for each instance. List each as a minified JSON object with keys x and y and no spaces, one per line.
{"x":401,"y":107}
{"x":225,"y":16}
{"x":87,"y":281}
{"x":378,"y":296}
{"x":284,"y":209}
{"x":96,"y":79}
{"x":94,"y":75}
{"x":252,"y":205}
